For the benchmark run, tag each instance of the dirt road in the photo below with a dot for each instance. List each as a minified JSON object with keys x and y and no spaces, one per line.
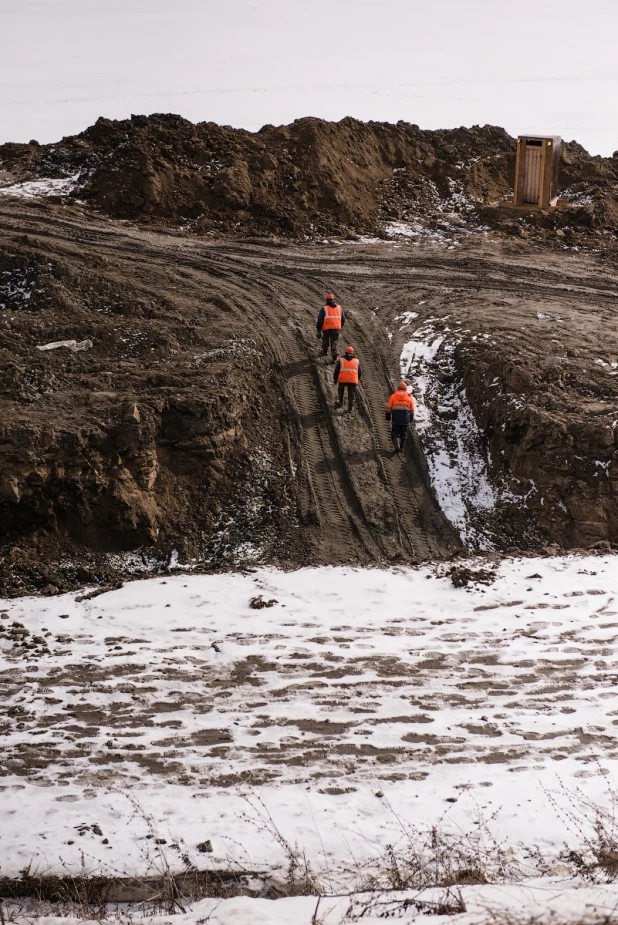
{"x":355,"y":501}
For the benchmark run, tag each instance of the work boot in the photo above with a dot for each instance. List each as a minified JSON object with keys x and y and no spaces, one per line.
{"x":395,"y":444}
{"x":338,"y":404}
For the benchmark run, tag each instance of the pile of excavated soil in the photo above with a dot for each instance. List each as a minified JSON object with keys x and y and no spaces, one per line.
{"x":313,"y":179}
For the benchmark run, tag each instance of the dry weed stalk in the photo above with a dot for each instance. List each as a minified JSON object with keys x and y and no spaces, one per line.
{"x":502,"y":916}
{"x":595,"y":826}
{"x":300,"y":878}
{"x":436,"y":857}
{"x":382,"y":906}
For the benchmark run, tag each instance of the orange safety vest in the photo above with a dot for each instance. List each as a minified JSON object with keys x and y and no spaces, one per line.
{"x":332,"y":318}
{"x":348,"y":371}
{"x":400,"y":401}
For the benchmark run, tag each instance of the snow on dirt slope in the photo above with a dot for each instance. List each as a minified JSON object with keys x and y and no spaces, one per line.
{"x":470,"y":495}
{"x":358,"y":709}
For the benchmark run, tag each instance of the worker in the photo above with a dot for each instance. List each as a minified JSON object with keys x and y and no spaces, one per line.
{"x":331,"y":319}
{"x":348,"y":373}
{"x":400,"y":411}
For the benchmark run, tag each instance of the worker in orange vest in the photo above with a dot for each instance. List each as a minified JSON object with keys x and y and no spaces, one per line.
{"x":348,"y":373}
{"x":400,"y":411}
{"x":331,"y":319}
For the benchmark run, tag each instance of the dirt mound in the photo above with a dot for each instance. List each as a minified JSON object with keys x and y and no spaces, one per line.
{"x":312,"y":178}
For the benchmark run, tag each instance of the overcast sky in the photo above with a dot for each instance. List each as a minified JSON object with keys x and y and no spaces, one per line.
{"x":547,"y":66}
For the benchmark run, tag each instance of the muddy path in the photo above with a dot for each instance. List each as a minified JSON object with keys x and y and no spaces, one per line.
{"x":356,"y":502}
{"x":228,"y":333}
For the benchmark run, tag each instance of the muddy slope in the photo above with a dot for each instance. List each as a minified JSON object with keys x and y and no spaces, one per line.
{"x":315,"y":178}
{"x":197,"y":421}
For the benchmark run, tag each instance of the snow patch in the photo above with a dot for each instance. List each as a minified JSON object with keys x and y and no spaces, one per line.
{"x":38,"y":189}
{"x":360,"y":709}
{"x":449,"y":434}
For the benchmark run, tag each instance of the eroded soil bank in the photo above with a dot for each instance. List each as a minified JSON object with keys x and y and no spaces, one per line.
{"x":197,"y":425}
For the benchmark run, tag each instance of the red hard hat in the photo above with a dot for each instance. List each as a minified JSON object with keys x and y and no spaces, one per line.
{"x":349,"y":349}
{"x":402,"y":385}
{"x":330,"y":296}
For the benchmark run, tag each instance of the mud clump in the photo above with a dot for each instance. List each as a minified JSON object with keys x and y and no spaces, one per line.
{"x":259,"y":602}
{"x":462,"y":576}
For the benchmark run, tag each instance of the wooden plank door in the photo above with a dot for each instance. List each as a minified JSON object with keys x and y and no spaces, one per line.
{"x":532,"y":174}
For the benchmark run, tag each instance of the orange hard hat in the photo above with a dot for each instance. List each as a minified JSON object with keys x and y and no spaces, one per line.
{"x":402,"y":385}
{"x":349,"y":349}
{"x":330,"y":296}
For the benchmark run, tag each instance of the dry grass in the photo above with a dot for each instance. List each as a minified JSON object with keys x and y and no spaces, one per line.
{"x":595,"y":827}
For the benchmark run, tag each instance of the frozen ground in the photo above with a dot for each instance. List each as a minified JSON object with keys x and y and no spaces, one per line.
{"x":571,"y":904}
{"x":357,"y":711}
{"x":64,"y":64}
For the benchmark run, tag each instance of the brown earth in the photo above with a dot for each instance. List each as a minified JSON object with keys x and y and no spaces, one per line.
{"x":200,"y":420}
{"x":314,"y":178}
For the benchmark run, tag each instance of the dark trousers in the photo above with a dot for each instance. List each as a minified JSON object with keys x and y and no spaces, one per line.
{"x":330,"y":338}
{"x":351,"y":387}
{"x":399,"y":433}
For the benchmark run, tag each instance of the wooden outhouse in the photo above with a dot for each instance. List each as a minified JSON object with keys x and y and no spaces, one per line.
{"x":536,"y":171}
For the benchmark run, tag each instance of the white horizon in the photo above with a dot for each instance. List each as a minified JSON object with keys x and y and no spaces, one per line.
{"x":546,"y":69}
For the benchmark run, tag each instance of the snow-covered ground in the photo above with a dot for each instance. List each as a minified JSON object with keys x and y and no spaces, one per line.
{"x":529,"y":67}
{"x":451,"y":439}
{"x":560,"y":902}
{"x":35,"y":189}
{"x":360,"y":710}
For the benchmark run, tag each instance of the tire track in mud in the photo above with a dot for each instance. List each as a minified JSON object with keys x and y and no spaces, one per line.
{"x":419,"y":517}
{"x":332,"y":498}
{"x":391,"y":507}
{"x":328,"y":499}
